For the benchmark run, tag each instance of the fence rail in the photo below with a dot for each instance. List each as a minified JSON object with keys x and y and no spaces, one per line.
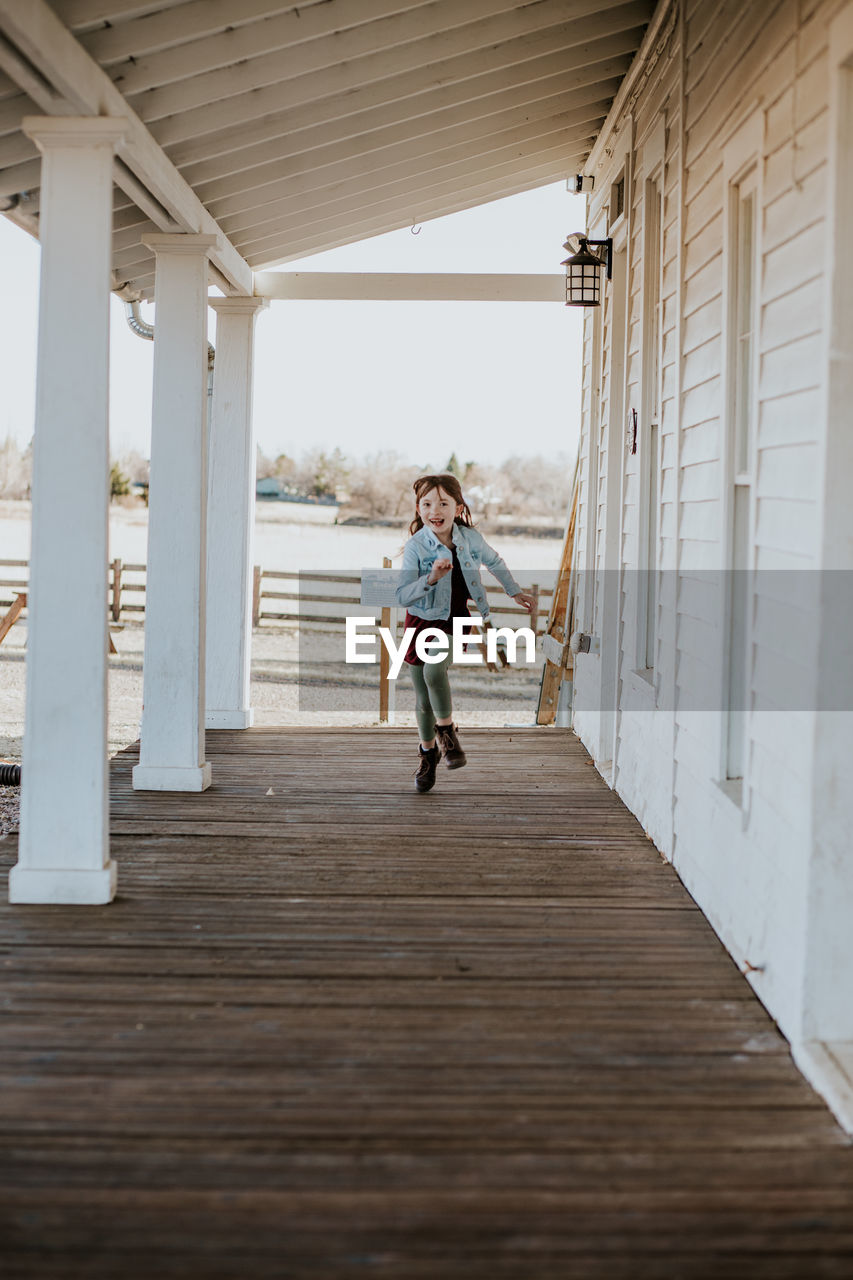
{"x":294,"y":607}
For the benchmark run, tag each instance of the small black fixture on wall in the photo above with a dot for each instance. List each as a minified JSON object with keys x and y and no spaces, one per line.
{"x":583,"y":283}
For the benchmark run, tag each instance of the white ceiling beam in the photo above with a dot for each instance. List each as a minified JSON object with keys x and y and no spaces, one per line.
{"x":422,"y":135}
{"x":348,"y":181}
{"x":356,"y":228}
{"x":333,"y":121}
{"x":416,"y":200}
{"x":28,"y":78}
{"x":415,"y":175}
{"x":36,"y":31}
{"x":328,"y":286}
{"x":206,"y":103}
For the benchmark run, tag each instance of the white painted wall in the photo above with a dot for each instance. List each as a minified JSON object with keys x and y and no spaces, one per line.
{"x":724,"y":87}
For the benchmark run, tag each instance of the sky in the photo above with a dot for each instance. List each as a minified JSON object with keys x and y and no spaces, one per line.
{"x":424,"y":379}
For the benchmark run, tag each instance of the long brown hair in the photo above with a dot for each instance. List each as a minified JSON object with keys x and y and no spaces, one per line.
{"x":451,"y":486}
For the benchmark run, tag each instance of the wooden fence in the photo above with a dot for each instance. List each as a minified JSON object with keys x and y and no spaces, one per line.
{"x":295,"y":607}
{"x":279,"y":596}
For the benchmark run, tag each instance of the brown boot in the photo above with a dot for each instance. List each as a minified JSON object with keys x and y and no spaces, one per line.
{"x":425,"y":774}
{"x":445,"y":736}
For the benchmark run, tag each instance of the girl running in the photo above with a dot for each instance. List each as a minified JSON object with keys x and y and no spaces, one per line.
{"x":441,"y":570}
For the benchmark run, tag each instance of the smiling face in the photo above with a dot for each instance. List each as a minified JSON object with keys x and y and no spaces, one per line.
{"x":438,"y":510}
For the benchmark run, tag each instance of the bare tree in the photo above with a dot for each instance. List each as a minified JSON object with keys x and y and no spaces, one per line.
{"x":16,"y":469}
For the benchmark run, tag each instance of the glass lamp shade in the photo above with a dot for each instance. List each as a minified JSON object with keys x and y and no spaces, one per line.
{"x":583,"y":281}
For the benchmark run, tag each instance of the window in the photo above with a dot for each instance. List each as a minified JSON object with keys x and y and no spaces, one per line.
{"x":617,"y":199}
{"x":595,"y":377}
{"x":650,"y":420}
{"x":741,"y":355}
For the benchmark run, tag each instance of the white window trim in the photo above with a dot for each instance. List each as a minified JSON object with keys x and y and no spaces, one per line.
{"x":651,"y":168}
{"x":743,"y":152}
{"x":592,"y":467}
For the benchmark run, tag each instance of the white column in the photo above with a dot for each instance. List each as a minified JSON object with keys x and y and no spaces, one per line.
{"x":63,"y":852}
{"x":231,"y":517}
{"x":171,"y":754}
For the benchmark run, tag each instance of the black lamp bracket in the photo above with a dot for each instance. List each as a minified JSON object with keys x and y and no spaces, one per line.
{"x":606,"y":259}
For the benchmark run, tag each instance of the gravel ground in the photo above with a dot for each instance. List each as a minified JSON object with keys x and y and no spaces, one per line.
{"x":289,"y":687}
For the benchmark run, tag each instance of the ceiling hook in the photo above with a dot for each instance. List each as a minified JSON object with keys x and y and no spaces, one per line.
{"x":415,"y":229}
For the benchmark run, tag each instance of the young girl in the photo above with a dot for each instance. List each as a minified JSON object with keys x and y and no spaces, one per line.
{"x":435,"y":587}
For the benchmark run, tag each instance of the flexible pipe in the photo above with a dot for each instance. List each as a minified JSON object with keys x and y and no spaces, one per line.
{"x":145,"y":330}
{"x":10,"y":775}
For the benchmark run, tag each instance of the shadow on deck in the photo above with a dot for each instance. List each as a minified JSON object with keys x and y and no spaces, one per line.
{"x":344,"y":1029}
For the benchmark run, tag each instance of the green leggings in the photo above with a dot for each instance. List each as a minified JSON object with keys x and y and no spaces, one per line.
{"x":432,"y":694}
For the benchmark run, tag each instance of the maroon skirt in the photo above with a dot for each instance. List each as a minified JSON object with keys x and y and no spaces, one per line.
{"x":458,"y":609}
{"x":420,"y":624}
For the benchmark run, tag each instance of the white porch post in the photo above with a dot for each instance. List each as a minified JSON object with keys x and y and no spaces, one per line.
{"x":171,"y":754}
{"x":231,"y":516}
{"x":63,"y":852}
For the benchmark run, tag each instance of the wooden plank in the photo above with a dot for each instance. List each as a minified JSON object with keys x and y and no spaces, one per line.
{"x":279,"y":134}
{"x":11,"y":617}
{"x":363,"y":198}
{"x":276,"y":150}
{"x":323,"y":68}
{"x":558,"y":626}
{"x":532,"y":176}
{"x":201,"y":23}
{"x":385,"y":697}
{"x":251,"y":196}
{"x":116,"y":590}
{"x":315,"y":39}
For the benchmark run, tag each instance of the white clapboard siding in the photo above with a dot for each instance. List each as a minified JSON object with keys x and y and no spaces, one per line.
{"x":782,"y":417}
{"x":703,"y":320}
{"x":789,"y":471}
{"x":753,"y":76}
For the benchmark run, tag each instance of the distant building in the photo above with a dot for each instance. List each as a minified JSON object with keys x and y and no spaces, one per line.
{"x":271,"y":488}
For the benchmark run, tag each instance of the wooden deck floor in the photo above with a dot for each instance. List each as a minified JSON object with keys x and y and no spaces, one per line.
{"x":347,"y":1030}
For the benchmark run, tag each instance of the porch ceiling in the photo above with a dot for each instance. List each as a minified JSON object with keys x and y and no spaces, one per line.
{"x":303,"y":127}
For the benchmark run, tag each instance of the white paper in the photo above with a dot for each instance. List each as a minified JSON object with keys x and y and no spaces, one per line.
{"x":379,"y":586}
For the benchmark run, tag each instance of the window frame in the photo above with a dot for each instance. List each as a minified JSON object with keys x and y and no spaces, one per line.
{"x":743,"y":160}
{"x":651,"y":391}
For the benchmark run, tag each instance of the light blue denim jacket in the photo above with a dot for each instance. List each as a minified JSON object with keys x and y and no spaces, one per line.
{"x":420,"y":554}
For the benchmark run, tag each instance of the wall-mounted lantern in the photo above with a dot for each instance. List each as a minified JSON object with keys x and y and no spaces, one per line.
{"x":583,"y":283}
